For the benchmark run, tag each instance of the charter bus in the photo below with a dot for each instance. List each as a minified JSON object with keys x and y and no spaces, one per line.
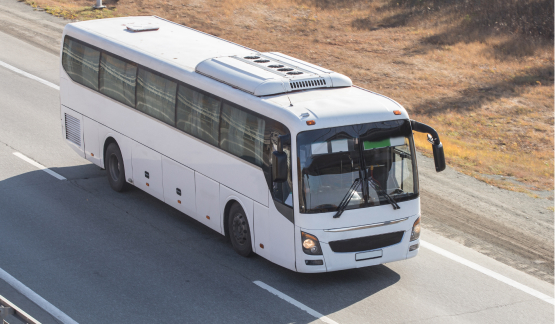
{"x":287,"y":159}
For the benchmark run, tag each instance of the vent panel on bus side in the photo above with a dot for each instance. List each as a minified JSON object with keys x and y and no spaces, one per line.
{"x":73,"y":129}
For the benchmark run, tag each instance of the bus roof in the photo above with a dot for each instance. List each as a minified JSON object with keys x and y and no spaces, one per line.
{"x":315,"y":93}
{"x":260,"y":74}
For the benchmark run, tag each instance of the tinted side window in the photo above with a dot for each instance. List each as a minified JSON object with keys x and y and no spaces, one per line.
{"x":242,"y":134}
{"x":198,"y":114}
{"x":156,"y":96}
{"x":117,"y":79}
{"x":81,"y":63}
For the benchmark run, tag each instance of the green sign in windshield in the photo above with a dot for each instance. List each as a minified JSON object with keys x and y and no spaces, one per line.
{"x":368,"y":145}
{"x":393,"y":141}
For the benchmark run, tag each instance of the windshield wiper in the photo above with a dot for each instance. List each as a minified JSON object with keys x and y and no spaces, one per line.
{"x":345,"y":201}
{"x":379,"y":190}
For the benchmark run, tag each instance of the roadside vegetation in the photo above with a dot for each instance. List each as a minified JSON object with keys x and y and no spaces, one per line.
{"x":480,"y":72}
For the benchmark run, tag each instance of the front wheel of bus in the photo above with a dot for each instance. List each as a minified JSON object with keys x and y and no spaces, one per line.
{"x":114,"y":166}
{"x":239,"y":231}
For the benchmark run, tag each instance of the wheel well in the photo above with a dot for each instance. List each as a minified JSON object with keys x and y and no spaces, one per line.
{"x":226,"y":216}
{"x":108,"y":141}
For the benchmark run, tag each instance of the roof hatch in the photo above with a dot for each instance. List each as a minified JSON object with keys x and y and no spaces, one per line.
{"x":141,"y":27}
{"x":263,"y":74}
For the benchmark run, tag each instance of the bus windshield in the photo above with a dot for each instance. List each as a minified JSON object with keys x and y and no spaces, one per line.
{"x":332,"y":159}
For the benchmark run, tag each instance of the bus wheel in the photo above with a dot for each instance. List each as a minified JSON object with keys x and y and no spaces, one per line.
{"x":114,"y":166}
{"x":239,"y":231}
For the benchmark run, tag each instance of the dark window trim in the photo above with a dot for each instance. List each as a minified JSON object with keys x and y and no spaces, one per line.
{"x":99,"y":58}
{"x":179,"y":83}
{"x":165,"y":77}
{"x":121,"y":59}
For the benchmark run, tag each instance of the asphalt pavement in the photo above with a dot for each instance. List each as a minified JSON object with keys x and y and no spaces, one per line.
{"x":106,"y":257}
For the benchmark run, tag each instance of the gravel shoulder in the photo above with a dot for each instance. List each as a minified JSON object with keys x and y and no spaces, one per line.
{"x":511,"y":227}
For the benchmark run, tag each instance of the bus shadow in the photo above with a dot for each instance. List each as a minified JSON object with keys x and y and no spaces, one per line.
{"x":331,"y":292}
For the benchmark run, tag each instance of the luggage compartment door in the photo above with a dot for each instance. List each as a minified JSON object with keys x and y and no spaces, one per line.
{"x":179,"y":186}
{"x":147,"y":170}
{"x":208,"y":198}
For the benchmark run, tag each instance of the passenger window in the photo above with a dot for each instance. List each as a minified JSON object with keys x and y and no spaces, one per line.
{"x":81,"y":63}
{"x":198,"y":114}
{"x":242,"y":134}
{"x":118,"y":79}
{"x":156,"y":96}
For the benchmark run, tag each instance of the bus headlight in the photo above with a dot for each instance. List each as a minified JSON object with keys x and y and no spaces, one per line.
{"x":415,"y":230}
{"x":311,"y":245}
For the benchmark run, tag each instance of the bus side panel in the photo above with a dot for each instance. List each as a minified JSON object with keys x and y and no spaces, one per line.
{"x":92,"y":147}
{"x":204,"y":158}
{"x":147,"y":170}
{"x":124,"y":144}
{"x":72,"y":126}
{"x":226,"y":195}
{"x":262,"y":239}
{"x":212,"y":162}
{"x":207,"y":198}
{"x":282,"y":236}
{"x":179,"y":187}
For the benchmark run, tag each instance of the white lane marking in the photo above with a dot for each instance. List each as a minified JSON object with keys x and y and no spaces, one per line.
{"x":295,"y":303}
{"x":488,"y":272}
{"x":35,"y":298}
{"x":30,"y":76}
{"x":38,"y":165}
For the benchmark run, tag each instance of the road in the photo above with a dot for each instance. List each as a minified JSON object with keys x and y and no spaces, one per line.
{"x":100,"y":256}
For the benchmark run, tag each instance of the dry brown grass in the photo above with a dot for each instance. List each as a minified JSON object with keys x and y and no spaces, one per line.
{"x":482,"y":76}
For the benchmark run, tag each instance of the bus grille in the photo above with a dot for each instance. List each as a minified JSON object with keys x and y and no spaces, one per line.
{"x":73,"y":130}
{"x":367,"y":243}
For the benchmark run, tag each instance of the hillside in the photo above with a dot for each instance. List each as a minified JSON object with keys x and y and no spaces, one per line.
{"x":480,"y":72}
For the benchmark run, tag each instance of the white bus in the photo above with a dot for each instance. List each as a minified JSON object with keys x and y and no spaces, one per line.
{"x":287,"y":159}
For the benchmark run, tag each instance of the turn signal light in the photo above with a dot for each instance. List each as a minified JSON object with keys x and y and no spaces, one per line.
{"x":310,"y":122}
{"x":207,"y":217}
{"x":179,"y":201}
{"x":147,"y":184}
{"x":397,"y":112}
{"x":261,"y":245}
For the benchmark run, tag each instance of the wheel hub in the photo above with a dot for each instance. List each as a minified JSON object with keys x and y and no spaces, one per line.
{"x":239,"y":228}
{"x":114,"y":167}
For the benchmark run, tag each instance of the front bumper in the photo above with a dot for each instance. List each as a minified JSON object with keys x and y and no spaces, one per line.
{"x":333,"y":261}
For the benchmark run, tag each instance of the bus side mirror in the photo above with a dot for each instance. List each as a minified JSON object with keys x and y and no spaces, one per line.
{"x":437,"y":147}
{"x":279,"y":166}
{"x":439,"y":157}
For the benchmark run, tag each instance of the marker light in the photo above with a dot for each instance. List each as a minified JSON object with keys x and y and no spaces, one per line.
{"x":397,"y":112}
{"x":311,"y":245}
{"x":310,"y":122}
{"x":415,"y":230}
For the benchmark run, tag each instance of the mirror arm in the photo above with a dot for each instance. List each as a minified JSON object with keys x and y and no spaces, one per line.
{"x":423,"y":128}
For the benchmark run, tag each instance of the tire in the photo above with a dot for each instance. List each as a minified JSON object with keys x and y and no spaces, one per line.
{"x":239,"y":231}
{"x":114,"y":166}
